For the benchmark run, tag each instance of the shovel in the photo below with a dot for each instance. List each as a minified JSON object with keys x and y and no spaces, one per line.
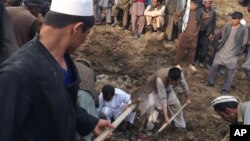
{"x":115,"y":124}
{"x":176,"y":114}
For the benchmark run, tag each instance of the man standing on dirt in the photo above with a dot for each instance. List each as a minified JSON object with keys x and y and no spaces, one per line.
{"x":162,"y":96}
{"x":234,"y":38}
{"x":232,"y":111}
{"x":206,"y":34}
{"x":39,"y":82}
{"x":172,"y":6}
{"x":191,"y":21}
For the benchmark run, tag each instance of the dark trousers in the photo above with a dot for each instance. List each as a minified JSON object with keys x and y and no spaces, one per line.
{"x":202,"y":47}
{"x":229,"y":76}
{"x":201,"y":53}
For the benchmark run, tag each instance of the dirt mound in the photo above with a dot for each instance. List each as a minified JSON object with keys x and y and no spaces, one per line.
{"x":125,"y":62}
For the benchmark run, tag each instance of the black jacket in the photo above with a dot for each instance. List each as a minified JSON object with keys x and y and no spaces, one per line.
{"x":35,"y":105}
{"x":8,"y":43}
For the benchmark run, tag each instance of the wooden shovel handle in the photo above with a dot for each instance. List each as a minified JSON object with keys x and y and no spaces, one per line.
{"x":176,"y":114}
{"x":116,"y":123}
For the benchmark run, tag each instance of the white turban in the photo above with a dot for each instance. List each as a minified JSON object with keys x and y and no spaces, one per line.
{"x":223,"y":99}
{"x":73,"y":7}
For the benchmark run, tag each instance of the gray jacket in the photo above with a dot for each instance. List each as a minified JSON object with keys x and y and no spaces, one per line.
{"x":239,"y":37}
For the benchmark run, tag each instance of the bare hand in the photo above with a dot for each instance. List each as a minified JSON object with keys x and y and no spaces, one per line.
{"x":101,"y":126}
{"x":125,"y":107}
{"x":211,"y":37}
{"x":188,"y":101}
{"x":168,"y":121}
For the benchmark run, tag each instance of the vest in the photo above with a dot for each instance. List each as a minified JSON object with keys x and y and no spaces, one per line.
{"x":238,"y":37}
{"x":151,"y":83}
{"x":87,"y":77}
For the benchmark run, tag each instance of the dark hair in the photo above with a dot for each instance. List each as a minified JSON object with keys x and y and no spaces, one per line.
{"x":174,"y":73}
{"x":159,"y":1}
{"x":59,"y":20}
{"x":194,"y":1}
{"x":107,"y":90}
{"x":237,"y":15}
{"x":221,"y":107}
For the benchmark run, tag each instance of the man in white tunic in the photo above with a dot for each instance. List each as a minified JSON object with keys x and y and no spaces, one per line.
{"x":112,"y":103}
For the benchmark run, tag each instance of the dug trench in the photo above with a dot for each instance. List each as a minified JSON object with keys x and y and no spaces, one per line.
{"x":126,"y":63}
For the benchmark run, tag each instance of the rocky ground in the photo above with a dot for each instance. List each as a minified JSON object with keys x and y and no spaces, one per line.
{"x":124,"y":62}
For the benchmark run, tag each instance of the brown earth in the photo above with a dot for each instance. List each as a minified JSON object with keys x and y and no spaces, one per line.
{"x":124,"y":62}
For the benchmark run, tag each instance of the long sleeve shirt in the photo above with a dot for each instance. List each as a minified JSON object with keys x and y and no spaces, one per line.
{"x":243,"y":117}
{"x":116,"y":103}
{"x":35,"y":104}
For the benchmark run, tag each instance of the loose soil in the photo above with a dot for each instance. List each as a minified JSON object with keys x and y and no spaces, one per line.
{"x":126,"y":63}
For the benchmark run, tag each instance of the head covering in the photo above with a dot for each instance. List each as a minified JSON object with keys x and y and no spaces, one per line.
{"x":223,"y":99}
{"x":39,"y":3}
{"x":73,"y":7}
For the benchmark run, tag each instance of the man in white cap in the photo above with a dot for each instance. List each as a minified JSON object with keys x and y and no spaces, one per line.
{"x":39,"y":82}
{"x":232,"y":111}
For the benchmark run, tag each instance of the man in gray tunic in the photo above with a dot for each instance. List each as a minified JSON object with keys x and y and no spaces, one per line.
{"x":160,"y":89}
{"x":234,"y":37}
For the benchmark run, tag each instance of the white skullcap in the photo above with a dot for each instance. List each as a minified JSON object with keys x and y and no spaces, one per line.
{"x":73,"y":7}
{"x":243,"y":22}
{"x":223,"y":99}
